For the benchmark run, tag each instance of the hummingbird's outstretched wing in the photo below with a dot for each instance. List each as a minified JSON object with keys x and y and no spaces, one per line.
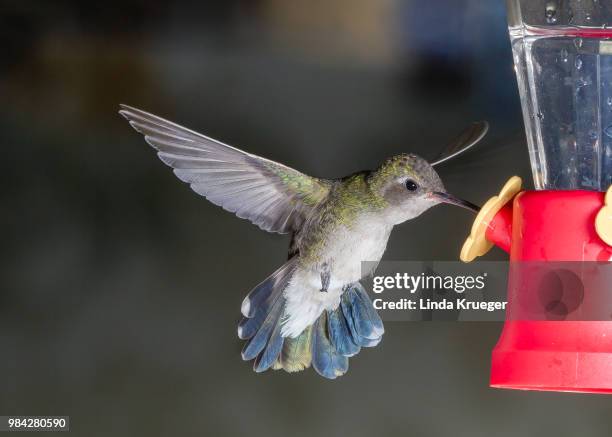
{"x":466,"y":140}
{"x":271,"y":195}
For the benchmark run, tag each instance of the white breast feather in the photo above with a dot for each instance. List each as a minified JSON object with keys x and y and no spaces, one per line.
{"x":365,"y":241}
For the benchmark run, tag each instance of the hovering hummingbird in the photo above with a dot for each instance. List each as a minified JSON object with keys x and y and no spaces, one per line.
{"x":313,"y":309}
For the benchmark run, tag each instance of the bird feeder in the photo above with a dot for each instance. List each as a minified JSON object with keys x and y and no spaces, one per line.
{"x":563,"y":60}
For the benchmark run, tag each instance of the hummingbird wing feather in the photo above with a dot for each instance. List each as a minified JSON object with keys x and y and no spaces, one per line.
{"x":465,"y":141}
{"x":271,"y":195}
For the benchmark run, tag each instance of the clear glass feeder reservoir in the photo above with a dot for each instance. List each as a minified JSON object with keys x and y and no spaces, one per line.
{"x":563,"y":59}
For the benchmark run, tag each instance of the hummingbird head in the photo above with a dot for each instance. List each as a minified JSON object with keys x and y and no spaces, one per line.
{"x":410,"y":186}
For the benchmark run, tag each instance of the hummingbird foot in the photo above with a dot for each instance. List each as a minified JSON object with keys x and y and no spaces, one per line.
{"x":325,"y":278}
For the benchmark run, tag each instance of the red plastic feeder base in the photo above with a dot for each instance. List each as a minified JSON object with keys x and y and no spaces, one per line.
{"x":570,"y":354}
{"x":531,"y":356}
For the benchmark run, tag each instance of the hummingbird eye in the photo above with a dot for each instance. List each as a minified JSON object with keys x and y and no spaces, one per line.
{"x":411,"y":185}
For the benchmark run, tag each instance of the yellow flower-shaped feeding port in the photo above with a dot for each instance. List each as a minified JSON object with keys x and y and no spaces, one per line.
{"x":603,"y":221}
{"x":477,"y":244}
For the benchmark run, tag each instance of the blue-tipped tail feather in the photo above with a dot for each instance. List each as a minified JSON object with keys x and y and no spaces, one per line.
{"x":340,"y":334}
{"x":327,"y":344}
{"x":264,"y":293}
{"x":326,"y":360}
{"x":262,"y":310}
{"x":363,"y":321}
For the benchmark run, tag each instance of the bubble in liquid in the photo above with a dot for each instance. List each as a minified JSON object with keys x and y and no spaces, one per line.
{"x":564,"y":55}
{"x":593,"y":135}
{"x":578,"y":63}
{"x":541,"y":117}
{"x":609,"y":101}
{"x":608,"y":131}
{"x":551,"y":12}
{"x":578,"y":42}
{"x":581,"y":83}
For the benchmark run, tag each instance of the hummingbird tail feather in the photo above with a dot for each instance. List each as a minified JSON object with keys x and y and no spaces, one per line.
{"x":326,"y":359}
{"x":364,"y":323}
{"x":267,"y":290}
{"x":261,"y":325}
{"x":334,"y":337}
{"x":341,"y":333}
{"x":297,"y":352}
{"x":327,"y":344}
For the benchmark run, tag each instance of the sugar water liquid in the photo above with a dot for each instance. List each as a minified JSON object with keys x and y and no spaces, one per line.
{"x":565,"y":84}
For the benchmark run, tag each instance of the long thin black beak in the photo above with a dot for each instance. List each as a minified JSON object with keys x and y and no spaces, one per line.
{"x":449,"y":198}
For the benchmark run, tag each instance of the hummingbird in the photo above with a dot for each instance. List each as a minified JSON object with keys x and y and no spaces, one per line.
{"x":313,"y":310}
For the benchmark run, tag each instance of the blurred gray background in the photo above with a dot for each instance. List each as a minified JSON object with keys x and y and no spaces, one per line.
{"x":121,"y":288}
